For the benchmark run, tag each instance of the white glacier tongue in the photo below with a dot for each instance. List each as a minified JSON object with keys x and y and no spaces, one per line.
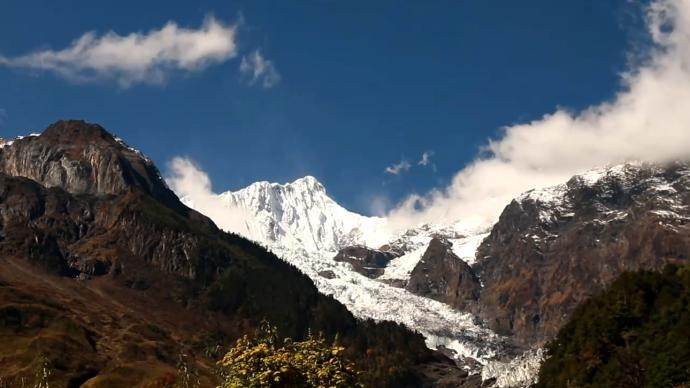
{"x":518,"y":372}
{"x":440,"y":324}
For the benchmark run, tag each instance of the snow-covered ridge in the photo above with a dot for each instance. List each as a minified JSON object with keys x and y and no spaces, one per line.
{"x":554,"y":202}
{"x":301,"y":224}
{"x":588,"y":178}
{"x":6,"y":143}
{"x":143,"y":156}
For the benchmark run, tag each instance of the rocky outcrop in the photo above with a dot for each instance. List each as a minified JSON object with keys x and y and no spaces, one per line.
{"x":83,"y":158}
{"x":369,"y":262}
{"x":553,"y":248}
{"x":443,"y":276}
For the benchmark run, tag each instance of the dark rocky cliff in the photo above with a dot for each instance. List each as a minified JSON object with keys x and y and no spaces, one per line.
{"x":443,"y":276}
{"x":367,"y":261}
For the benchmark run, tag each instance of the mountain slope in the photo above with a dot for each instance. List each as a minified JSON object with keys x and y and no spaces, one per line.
{"x":634,"y":334}
{"x":553,"y":248}
{"x":106,"y":274}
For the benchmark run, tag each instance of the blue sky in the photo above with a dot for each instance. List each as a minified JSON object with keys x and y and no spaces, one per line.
{"x":359,"y":86}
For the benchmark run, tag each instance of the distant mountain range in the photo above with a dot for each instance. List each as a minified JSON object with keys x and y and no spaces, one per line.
{"x":111,"y":279}
{"x":504,"y":288}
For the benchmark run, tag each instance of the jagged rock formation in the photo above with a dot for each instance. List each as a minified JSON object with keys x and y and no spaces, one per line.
{"x":369,"y":262}
{"x":109,"y":276}
{"x":553,"y":248}
{"x":443,"y":276}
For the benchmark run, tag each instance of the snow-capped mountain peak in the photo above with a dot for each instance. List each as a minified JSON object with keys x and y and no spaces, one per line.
{"x":300,"y":215}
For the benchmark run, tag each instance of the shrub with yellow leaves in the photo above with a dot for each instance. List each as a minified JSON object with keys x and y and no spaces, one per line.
{"x":267,"y":361}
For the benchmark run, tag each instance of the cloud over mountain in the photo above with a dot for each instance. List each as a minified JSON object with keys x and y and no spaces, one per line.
{"x":193,"y":185}
{"x":648,"y":119}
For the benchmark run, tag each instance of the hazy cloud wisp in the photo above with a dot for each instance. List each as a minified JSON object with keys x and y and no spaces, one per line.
{"x":398,"y":168}
{"x":426,"y":158}
{"x":259,"y":70}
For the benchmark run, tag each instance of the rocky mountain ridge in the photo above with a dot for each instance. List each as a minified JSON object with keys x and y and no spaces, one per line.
{"x":553,"y":248}
{"x":443,"y":276}
{"x":107,"y":276}
{"x":84,"y":158}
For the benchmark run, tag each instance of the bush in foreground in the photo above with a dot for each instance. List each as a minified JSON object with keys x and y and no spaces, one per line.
{"x":267,"y":361}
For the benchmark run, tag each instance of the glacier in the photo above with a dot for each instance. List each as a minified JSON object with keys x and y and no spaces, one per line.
{"x":301,"y":224}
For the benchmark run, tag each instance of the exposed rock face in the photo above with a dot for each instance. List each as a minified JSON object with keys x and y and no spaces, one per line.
{"x":83,"y":158}
{"x":369,"y":262}
{"x":328,"y":274}
{"x":443,"y":276}
{"x":88,"y":235}
{"x":553,"y":248}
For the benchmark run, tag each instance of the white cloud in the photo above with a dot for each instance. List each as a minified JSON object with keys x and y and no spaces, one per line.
{"x":137,"y":57}
{"x":649,"y":119}
{"x":258,"y":69}
{"x":426,"y":158}
{"x":398,"y":168}
{"x":193,"y":185}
